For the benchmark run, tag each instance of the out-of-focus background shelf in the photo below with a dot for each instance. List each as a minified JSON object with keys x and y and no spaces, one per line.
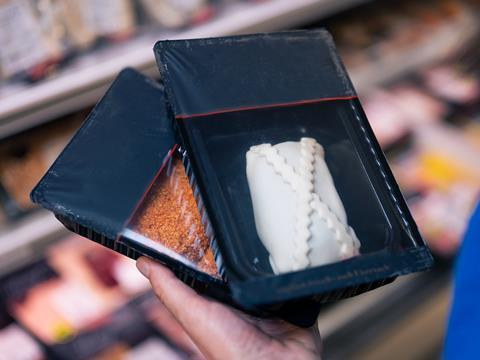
{"x":26,"y":240}
{"x":439,"y":45}
{"x":380,"y":323}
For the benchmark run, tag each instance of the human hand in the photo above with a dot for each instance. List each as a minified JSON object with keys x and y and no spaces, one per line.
{"x":220,"y":332}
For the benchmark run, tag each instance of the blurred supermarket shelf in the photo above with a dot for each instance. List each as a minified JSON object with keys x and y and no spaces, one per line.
{"x":370,"y":321}
{"x":438,"y":45}
{"x":342,"y":313}
{"x":24,"y":241}
{"x":82,"y":83}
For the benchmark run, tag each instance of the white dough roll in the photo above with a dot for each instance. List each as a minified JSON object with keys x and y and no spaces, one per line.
{"x":299,"y":216}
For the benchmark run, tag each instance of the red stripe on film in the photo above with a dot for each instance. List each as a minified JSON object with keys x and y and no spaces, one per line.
{"x":246,"y":108}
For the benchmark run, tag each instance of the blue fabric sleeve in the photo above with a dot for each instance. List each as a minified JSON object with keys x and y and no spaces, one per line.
{"x":463,"y":333}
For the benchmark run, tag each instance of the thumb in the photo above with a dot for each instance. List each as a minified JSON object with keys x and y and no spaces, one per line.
{"x":215,"y":328}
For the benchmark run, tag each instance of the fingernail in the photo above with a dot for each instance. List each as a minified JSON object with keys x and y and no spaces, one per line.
{"x":143,"y":266}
